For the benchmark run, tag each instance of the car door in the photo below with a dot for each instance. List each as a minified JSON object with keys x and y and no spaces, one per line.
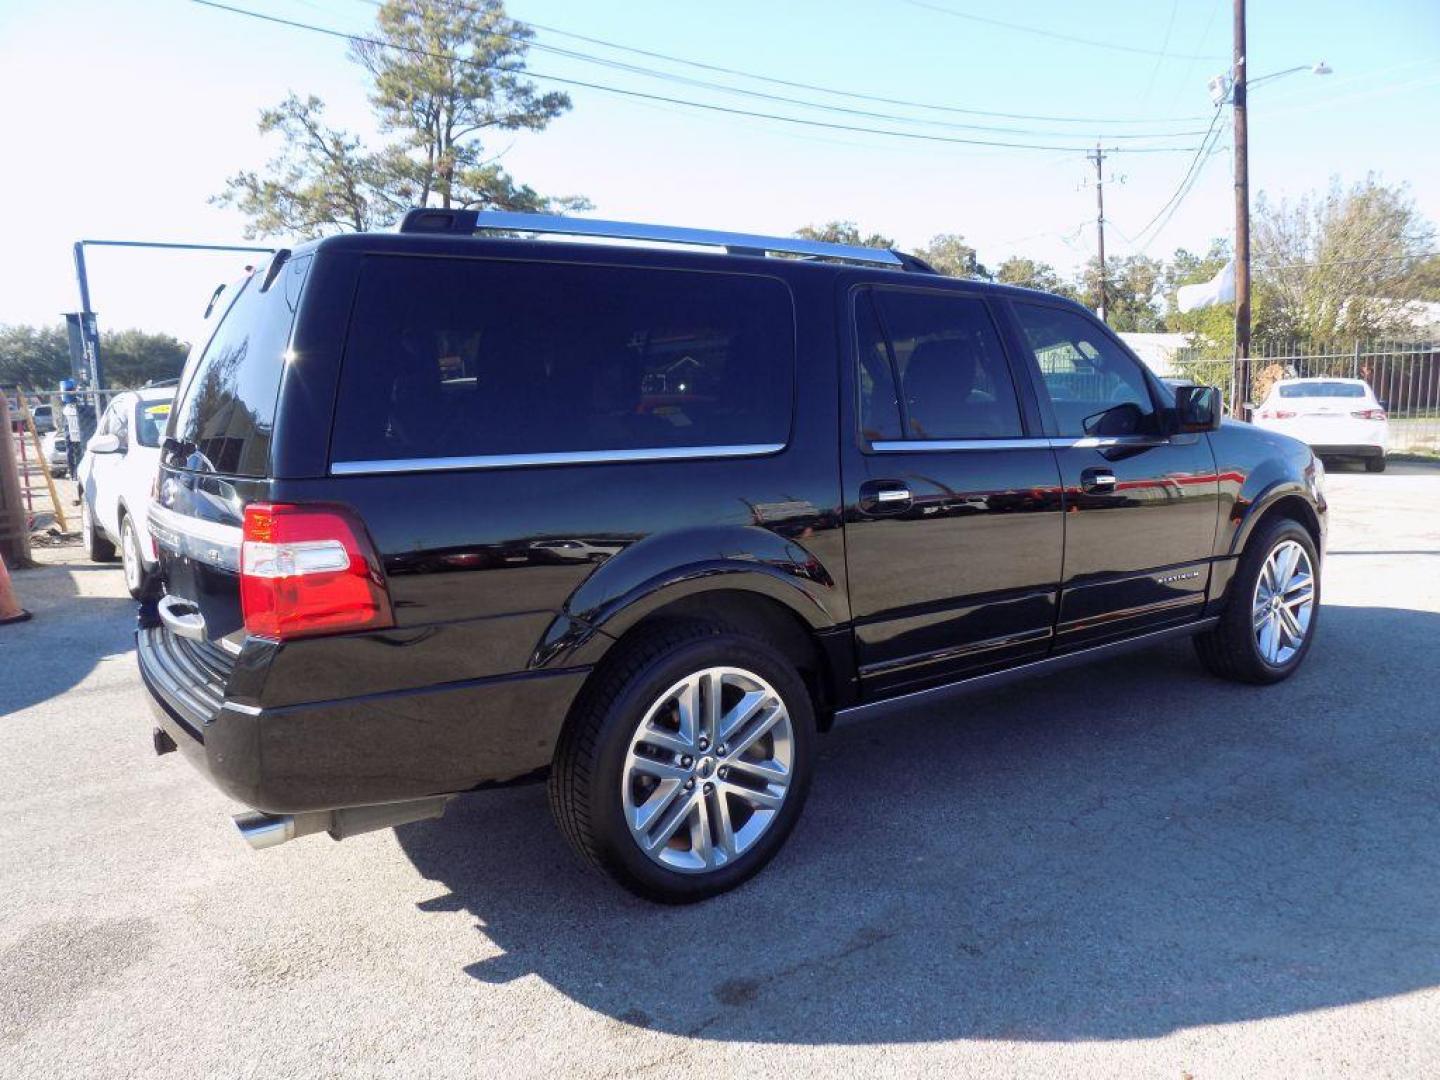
{"x":953,"y":529}
{"x":1141,"y":503}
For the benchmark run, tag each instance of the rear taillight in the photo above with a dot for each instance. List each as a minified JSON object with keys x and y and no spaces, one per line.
{"x":309,"y":570}
{"x":1369,"y":414}
{"x":1276,"y":414}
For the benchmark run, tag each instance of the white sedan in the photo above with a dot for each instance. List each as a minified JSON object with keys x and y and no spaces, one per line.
{"x":1339,"y":418}
{"x":115,"y":476}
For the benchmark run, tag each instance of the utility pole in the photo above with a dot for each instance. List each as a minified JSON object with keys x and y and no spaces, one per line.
{"x":1242,"y":221}
{"x":1099,"y":159}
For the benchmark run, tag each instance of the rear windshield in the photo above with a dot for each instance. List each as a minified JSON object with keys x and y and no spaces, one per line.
{"x":461,"y":357}
{"x":224,"y":417}
{"x":1322,"y":389}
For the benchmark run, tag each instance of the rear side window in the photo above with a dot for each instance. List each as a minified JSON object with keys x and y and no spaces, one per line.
{"x":946,"y":358}
{"x":459,"y":357}
{"x":225,"y":416}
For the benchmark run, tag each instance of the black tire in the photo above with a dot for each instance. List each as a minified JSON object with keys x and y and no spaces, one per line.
{"x":1230,"y":650}
{"x":140,"y":582}
{"x":96,"y":545}
{"x":1375,"y":464}
{"x":586,"y":780}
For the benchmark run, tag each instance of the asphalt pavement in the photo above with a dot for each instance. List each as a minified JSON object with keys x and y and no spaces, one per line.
{"x":1128,"y":869}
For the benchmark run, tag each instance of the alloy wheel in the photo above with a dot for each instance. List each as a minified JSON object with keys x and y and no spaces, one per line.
{"x":130,"y":557}
{"x":1284,"y":602}
{"x":708,"y":769}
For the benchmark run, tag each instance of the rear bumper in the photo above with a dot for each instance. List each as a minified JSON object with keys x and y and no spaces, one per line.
{"x":361,"y":751}
{"x":1359,"y":450}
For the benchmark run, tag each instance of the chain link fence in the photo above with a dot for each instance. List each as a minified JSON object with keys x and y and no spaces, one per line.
{"x":1404,"y":375}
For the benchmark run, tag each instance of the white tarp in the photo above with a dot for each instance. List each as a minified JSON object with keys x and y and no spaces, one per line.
{"x":1218,"y":290}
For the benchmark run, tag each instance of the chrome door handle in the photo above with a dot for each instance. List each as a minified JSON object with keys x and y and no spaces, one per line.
{"x":1097,"y":480}
{"x":893,"y":495}
{"x":181,"y":617}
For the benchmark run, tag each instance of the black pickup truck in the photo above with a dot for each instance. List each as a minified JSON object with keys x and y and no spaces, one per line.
{"x":461,"y":506}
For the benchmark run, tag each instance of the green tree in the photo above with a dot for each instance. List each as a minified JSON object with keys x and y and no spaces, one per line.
{"x":134,"y":357}
{"x":36,"y":357}
{"x":948,"y":253}
{"x":1339,"y":265}
{"x":1132,"y":291}
{"x":444,"y":76}
{"x":843,"y":232}
{"x":1030,"y":274}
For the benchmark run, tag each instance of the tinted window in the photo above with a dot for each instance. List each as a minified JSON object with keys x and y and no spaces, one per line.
{"x":954,"y":381}
{"x":1094,"y":385}
{"x":1322,"y":389}
{"x":224,"y":419}
{"x":875,"y":382}
{"x":458,"y":357}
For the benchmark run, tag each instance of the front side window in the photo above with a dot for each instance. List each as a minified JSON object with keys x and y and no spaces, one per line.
{"x":947,"y":360}
{"x":462,"y":357}
{"x":1096,"y":388}
{"x":150,"y":420}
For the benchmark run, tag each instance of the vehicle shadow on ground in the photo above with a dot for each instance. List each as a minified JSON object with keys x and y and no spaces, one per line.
{"x":68,"y":635}
{"x":1116,"y":852}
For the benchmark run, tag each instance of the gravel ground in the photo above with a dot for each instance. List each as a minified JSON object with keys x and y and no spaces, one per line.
{"x":1130,"y":869}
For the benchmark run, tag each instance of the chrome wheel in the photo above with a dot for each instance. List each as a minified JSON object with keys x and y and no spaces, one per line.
{"x":1284,"y":602}
{"x":708,"y":769}
{"x":130,"y":557}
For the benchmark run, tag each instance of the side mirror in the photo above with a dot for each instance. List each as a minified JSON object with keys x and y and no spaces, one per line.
{"x":1198,"y":408}
{"x":104,"y":444}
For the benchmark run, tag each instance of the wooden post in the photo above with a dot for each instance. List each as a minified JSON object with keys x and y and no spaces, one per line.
{"x":14,"y":526}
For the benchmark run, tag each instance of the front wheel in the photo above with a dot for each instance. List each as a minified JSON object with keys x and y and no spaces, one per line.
{"x":686,"y":766}
{"x":1375,"y":464}
{"x":1269,"y":623}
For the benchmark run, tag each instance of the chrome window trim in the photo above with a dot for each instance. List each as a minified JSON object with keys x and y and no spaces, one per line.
{"x":892,"y":446}
{"x":569,"y":457}
{"x":1088,"y":442}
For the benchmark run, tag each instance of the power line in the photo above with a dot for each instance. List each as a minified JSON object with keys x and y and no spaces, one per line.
{"x":1182,"y":189}
{"x":365,"y":40}
{"x":671,"y":77}
{"x":1416,"y":255}
{"x":1093,"y":43}
{"x":854,"y":95}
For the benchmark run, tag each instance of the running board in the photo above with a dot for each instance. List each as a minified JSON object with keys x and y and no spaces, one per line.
{"x":1051,"y":664}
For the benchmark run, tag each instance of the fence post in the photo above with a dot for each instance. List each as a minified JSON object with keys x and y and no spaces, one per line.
{"x":1355,"y":361}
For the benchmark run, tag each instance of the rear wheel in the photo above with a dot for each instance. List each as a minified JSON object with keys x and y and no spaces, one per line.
{"x":96,"y":546}
{"x":1375,"y":464}
{"x":1269,"y":622}
{"x":137,"y":579}
{"x":687,"y":764}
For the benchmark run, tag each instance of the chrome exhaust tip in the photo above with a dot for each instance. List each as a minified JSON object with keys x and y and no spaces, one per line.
{"x":265,"y":830}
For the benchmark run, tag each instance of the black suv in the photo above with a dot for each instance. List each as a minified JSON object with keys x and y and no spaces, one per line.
{"x":444,"y":509}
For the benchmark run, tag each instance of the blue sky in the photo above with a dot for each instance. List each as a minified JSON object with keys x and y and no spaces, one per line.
{"x":121,"y":119}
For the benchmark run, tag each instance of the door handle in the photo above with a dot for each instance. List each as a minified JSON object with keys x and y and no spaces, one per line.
{"x":885,"y":497}
{"x":1097,"y":481}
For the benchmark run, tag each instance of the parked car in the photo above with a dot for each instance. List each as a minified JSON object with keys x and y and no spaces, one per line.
{"x":1338,"y":418}
{"x":868,"y":487}
{"x":115,"y":477}
{"x":44,"y":416}
{"x":55,"y":447}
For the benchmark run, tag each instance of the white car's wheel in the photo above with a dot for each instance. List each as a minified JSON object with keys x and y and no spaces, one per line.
{"x":96,"y":545}
{"x":137,"y":580}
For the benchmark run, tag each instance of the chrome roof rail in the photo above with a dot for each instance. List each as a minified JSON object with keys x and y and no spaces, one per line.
{"x":468,"y":222}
